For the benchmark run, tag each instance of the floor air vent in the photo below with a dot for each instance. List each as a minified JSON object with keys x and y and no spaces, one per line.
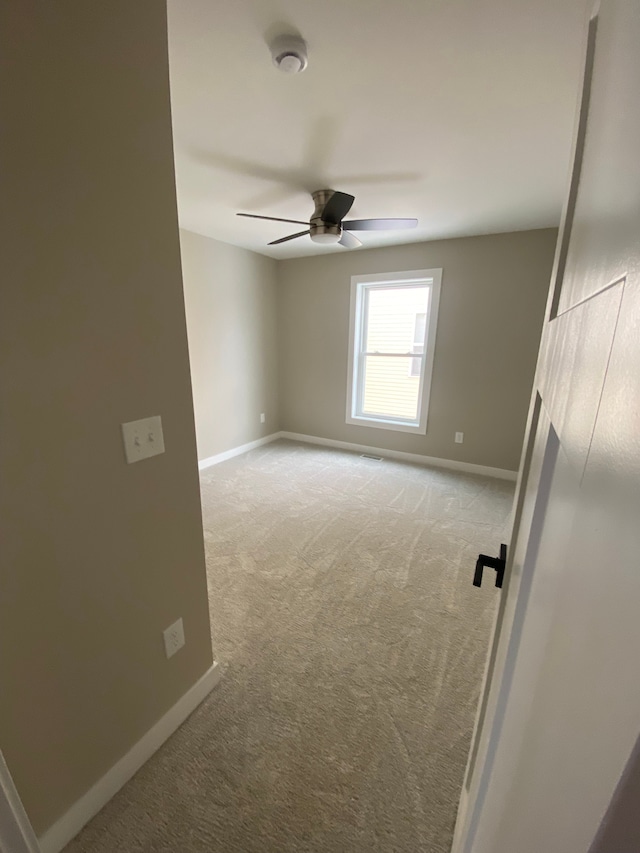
{"x":370,"y":456}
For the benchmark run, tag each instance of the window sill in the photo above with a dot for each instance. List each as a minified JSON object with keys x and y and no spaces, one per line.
{"x":380,"y":423}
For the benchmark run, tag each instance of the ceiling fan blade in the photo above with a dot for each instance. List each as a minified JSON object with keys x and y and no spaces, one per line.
{"x":290,"y":237}
{"x":379,"y":224}
{"x":272,"y":218}
{"x":349,"y":240}
{"x":337,"y":208}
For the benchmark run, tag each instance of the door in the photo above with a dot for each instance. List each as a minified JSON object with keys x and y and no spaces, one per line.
{"x":561,"y":716}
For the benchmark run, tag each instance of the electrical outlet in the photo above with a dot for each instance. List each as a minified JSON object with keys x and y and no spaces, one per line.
{"x":459,"y":437}
{"x":173,"y":638}
{"x":263,"y":418}
{"x":143,"y":438}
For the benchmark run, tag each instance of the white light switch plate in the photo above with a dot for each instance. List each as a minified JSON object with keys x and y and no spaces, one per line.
{"x":173,"y":638}
{"x":143,"y":438}
{"x":459,"y":437}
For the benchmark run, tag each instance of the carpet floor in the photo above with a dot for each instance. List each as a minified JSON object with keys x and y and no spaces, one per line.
{"x":353,"y":644}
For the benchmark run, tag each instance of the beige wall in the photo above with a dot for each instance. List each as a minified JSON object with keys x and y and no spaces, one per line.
{"x":97,"y":556}
{"x":230,"y":296}
{"x":491,"y":308}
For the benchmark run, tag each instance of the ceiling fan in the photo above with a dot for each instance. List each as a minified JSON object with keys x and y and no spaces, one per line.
{"x":327,"y":225}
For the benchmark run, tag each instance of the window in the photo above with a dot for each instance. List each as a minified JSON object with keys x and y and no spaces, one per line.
{"x":392,"y":340}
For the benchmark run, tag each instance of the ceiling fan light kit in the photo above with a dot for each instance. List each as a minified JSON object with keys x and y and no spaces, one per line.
{"x":327,"y":224}
{"x":322,"y":235}
{"x":289,"y":53}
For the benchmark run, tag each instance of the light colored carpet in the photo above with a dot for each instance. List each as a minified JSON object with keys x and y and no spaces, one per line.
{"x":354,"y":644}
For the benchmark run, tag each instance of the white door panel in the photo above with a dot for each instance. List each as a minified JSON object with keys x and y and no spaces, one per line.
{"x":606,"y":209}
{"x":585,"y":714}
{"x":535,"y":566}
{"x":563,"y":700}
{"x":572,"y":367}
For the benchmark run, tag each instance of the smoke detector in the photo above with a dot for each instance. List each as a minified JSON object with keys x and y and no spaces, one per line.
{"x":289,"y":53}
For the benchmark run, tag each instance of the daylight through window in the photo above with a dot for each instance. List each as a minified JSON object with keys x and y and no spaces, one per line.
{"x":392,"y":337}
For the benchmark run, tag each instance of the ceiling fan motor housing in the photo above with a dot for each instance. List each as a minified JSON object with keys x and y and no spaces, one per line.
{"x":323,"y":232}
{"x":289,"y":53}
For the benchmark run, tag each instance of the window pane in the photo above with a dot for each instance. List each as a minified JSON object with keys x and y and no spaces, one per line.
{"x":390,"y":390}
{"x":395,"y":316}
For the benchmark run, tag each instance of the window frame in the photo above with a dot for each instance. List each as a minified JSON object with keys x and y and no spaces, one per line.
{"x":360,"y":286}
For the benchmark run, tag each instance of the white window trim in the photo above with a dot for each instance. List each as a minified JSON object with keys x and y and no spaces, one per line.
{"x":434,"y":276}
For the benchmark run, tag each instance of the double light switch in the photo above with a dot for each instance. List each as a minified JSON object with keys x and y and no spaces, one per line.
{"x":143,"y":438}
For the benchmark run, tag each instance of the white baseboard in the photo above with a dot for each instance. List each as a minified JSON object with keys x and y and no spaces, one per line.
{"x":236,"y":451}
{"x":16,"y":832}
{"x":81,"y":812}
{"x":435,"y":461}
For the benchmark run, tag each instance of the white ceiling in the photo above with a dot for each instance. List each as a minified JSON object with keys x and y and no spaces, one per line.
{"x":457,"y":112}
